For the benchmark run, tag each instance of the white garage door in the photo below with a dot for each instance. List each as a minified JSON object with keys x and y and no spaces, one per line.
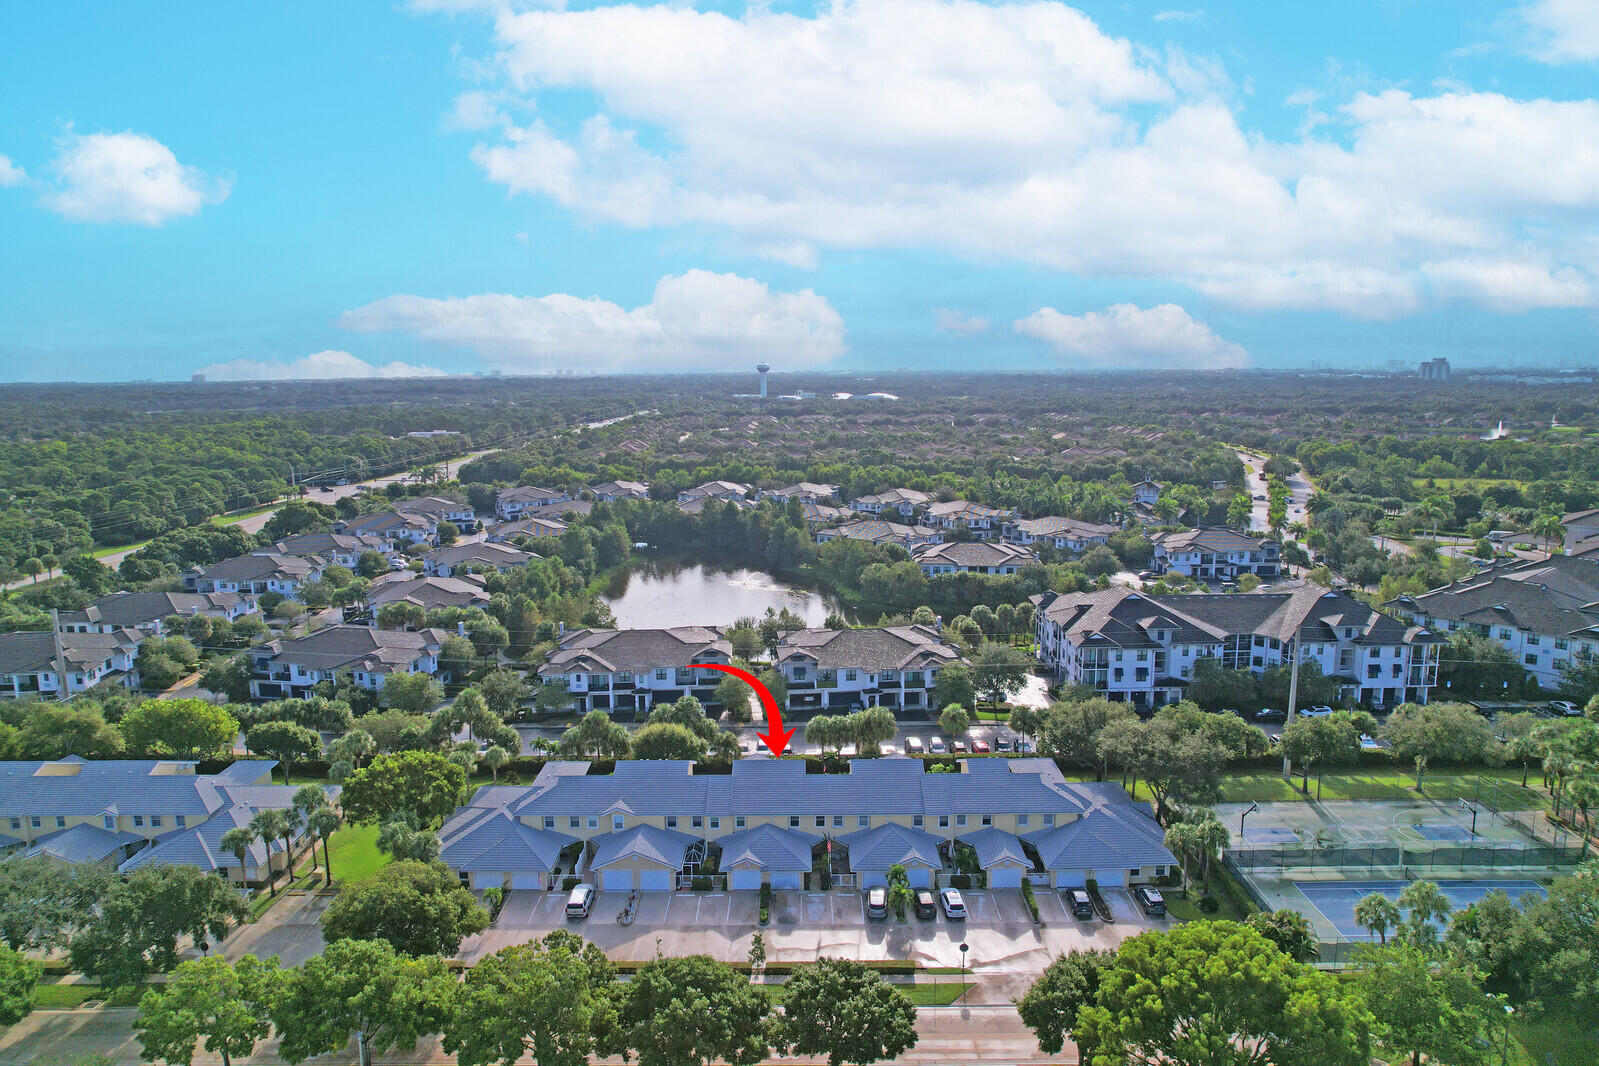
{"x":793,"y":880}
{"x":1005,"y":877}
{"x":656,"y":880}
{"x":616,"y":880}
{"x":919,"y":876}
{"x":527,"y":880}
{"x":744,"y":879}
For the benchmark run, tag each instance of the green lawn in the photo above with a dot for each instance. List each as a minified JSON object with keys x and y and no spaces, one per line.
{"x":353,"y":852}
{"x":1187,"y":910}
{"x":1551,"y":1041}
{"x":66,"y":997}
{"x":939,"y":995}
{"x":1268,"y":786}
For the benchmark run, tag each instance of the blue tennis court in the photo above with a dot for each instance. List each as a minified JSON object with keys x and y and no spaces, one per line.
{"x":1336,"y":899}
{"x":1444,"y":831}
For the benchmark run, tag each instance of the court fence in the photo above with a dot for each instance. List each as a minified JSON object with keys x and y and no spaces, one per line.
{"x":1424,"y":860}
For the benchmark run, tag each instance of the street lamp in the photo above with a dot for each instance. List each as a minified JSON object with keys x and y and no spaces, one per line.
{"x":1253,"y":807}
{"x":1504,"y":1052}
{"x":963,"y":962}
{"x":1465,"y":806}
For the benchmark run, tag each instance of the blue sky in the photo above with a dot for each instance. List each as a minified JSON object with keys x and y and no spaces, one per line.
{"x":316,"y":190}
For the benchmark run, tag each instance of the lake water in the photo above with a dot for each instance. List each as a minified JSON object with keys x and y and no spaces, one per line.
{"x":659,"y":594}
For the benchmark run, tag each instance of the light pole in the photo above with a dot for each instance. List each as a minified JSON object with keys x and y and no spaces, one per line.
{"x":1504,"y":1051}
{"x":1253,"y":807}
{"x":963,"y":965}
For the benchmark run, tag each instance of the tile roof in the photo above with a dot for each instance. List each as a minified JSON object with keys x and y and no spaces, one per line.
{"x":1107,"y":837}
{"x":877,"y":648}
{"x":82,"y":843}
{"x":768,"y":847}
{"x":612,"y":650}
{"x":74,"y":786}
{"x":891,"y":843}
{"x":663,"y":846}
{"x":489,"y":837}
{"x":994,"y":846}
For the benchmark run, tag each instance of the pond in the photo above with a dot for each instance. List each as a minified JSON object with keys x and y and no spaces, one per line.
{"x":660,"y":593}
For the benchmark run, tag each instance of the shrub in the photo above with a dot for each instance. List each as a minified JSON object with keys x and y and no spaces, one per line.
{"x":1209,"y":904}
{"x":569,"y":883}
{"x":495,"y":898}
{"x":960,"y":880}
{"x":1029,"y":899}
{"x":701,"y":884}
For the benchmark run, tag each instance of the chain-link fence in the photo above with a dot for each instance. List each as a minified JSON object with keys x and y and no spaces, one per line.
{"x":1482,"y":855}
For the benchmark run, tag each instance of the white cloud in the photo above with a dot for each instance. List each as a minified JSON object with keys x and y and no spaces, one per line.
{"x":10,"y":173}
{"x":127,"y":177}
{"x":1124,"y":335}
{"x":695,"y":320}
{"x":1563,"y":31}
{"x":319,"y":366}
{"x":1022,"y":131}
{"x":952,"y":321}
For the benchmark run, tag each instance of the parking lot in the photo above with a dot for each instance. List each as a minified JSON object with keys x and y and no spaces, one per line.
{"x":999,"y":933}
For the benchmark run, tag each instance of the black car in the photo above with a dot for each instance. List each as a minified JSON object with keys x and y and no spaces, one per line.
{"x":1082,"y":906}
{"x":924,"y":904}
{"x":1271,"y":714}
{"x":1150,"y":899}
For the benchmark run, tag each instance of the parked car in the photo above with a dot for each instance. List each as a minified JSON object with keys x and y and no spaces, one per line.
{"x":958,"y":747}
{"x":1002,"y":743}
{"x":924,"y":903}
{"x":914,"y":746}
{"x":1082,"y":907}
{"x":1271,"y":714}
{"x":954,"y":905}
{"x":877,"y":903}
{"x":981,"y":747}
{"x":937,"y":746}
{"x":1150,"y":899}
{"x":1321,"y":710}
{"x":1565,"y":707}
{"x":580,"y":901}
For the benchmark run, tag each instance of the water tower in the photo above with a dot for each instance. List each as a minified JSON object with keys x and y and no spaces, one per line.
{"x":761,"y":369}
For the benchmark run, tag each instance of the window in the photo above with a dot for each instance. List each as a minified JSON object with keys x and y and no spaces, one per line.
{"x":1021,"y":819}
{"x":107,"y":820}
{"x":821,"y":821}
{"x":943,"y":821}
{"x":61,"y":822}
{"x":793,"y":821}
{"x":616,"y":823}
{"x":988,"y":819}
{"x":1049,"y":819}
{"x":660,"y":675}
{"x":181,"y":820}
{"x":671,"y":821}
{"x":138,"y":821}
{"x":799,"y":673}
{"x":1561,"y":645}
{"x":1532,"y":640}
{"x":1160,"y":871}
{"x":916,"y":820}
{"x":1504,"y":634}
{"x":738,"y":823}
{"x":155,"y":821}
{"x":549,"y":821}
{"x":594,"y":821}
{"x":838,"y":821}
{"x":960,"y":820}
{"x":849,"y":675}
{"x":1531,"y":658}
{"x":1373,"y":670}
{"x":863,"y":821}
{"x":1133,"y":872}
{"x":716,"y":823}
{"x":572,"y":822}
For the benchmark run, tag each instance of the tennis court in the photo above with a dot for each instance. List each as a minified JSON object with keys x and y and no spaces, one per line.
{"x":1336,"y":899}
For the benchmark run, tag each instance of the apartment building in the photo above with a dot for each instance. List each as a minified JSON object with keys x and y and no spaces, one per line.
{"x":634,"y":669}
{"x":974,"y":557}
{"x":147,"y":612}
{"x":881,"y":531}
{"x":1215,"y":554}
{"x":292,"y":666}
{"x":397,"y":530}
{"x":510,"y":503}
{"x":714,"y":490}
{"x":428,"y":593}
{"x":801,"y":490}
{"x":984,"y":522}
{"x":836,"y":669}
{"x":905,"y":501}
{"x":436,"y":509}
{"x":1579,"y":527}
{"x":57,"y":665}
{"x":1062,"y":534}
{"x":533,"y":528}
{"x":129,"y":813}
{"x":1143,"y":649}
{"x":342,"y":549}
{"x":652,"y":826}
{"x":1544,"y":613}
{"x":477,"y":557}
{"x":252,"y":575}
{"x":611,"y":491}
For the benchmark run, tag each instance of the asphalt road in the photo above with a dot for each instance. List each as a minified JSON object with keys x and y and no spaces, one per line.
{"x":1299,"y":492}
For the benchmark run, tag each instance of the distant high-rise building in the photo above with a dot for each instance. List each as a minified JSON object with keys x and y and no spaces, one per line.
{"x":197,"y":379}
{"x":1435,"y":370}
{"x":761,"y":369}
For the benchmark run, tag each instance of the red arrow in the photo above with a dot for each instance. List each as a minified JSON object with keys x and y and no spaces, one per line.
{"x":775,"y":737}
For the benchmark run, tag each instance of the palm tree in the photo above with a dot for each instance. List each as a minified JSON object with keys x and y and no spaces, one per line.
{"x":1549,"y":528}
{"x":494,"y":758}
{"x":238,"y":841}
{"x":1425,"y":902}
{"x":270,"y":825}
{"x":323,"y":822}
{"x":1376,"y":913}
{"x":307,"y":800}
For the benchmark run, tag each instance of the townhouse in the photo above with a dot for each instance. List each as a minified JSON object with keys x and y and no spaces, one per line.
{"x":1062,"y":534}
{"x":428,"y":593}
{"x":836,"y":669}
{"x":817,"y":514}
{"x":633,"y":669}
{"x":1544,"y":613}
{"x":654,"y":826}
{"x":253,"y":575}
{"x":130,"y":813}
{"x":55,"y":665}
{"x":905,"y":501}
{"x":147,"y":612}
{"x":801,"y":490}
{"x":714,"y":490}
{"x":395,"y":529}
{"x":611,"y":491}
{"x":1214,"y":554}
{"x":510,"y":532}
{"x":974,"y":557}
{"x":342,"y":549}
{"x":291,"y":667}
{"x":1145,"y":494}
{"x":477,"y":557}
{"x":438,"y":509}
{"x":880,"y":531}
{"x":510,"y":503}
{"x":984,"y":522}
{"x":1143,"y":649}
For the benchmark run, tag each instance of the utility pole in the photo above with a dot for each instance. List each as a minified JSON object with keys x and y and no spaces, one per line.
{"x":1293,"y":698}
{"x":60,"y":658}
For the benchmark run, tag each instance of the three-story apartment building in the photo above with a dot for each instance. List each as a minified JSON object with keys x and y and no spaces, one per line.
{"x":634,"y":669}
{"x":1215,"y":554}
{"x":889,"y":666}
{"x":292,"y":666}
{"x":510,"y":503}
{"x":1062,"y":534}
{"x":904,"y":501}
{"x":984,"y":522}
{"x":1143,"y":649}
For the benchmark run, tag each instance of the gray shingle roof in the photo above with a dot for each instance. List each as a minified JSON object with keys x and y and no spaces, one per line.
{"x":1210,"y":539}
{"x":976,"y":553}
{"x":342,"y":647}
{"x":142,"y":608}
{"x":430,"y":593}
{"x":31,"y":652}
{"x":611,"y":650}
{"x":891,"y":843}
{"x":877,"y":648}
{"x":266,"y":567}
{"x":482,"y":552}
{"x":1559,"y":595}
{"x":768,"y":847}
{"x":1051,"y":526}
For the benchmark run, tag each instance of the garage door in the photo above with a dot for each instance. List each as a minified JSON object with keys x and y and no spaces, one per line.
{"x":481,"y":881}
{"x":616,"y":880}
{"x":744,"y":879}
{"x":793,"y":880}
{"x":1005,"y":877}
{"x":656,"y":880}
{"x":919,"y":876}
{"x":872,"y":878}
{"x":527,"y":880}
{"x":1116,"y":877}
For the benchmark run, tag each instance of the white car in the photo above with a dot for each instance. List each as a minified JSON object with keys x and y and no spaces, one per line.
{"x":1565,"y":707}
{"x":913,"y":746}
{"x":937,"y":746}
{"x":954,"y":905}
